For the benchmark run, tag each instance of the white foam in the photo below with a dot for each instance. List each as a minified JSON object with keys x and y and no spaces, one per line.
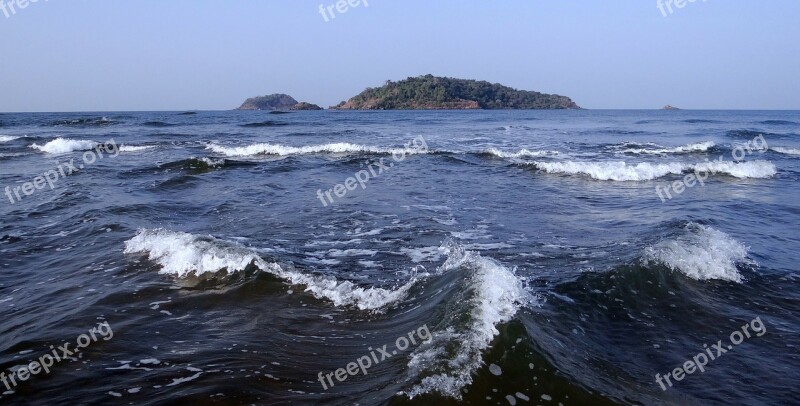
{"x":615,"y":170}
{"x":743,"y":170}
{"x":135,"y":148}
{"x":697,"y":147}
{"x":63,"y":146}
{"x":621,"y":171}
{"x":7,"y":138}
{"x":333,"y":148}
{"x":523,"y":153}
{"x":182,"y":255}
{"x":452,"y":356}
{"x":701,"y":253}
{"x":786,"y":150}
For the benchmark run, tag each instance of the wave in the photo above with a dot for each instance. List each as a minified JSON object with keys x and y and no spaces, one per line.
{"x":523,"y":153}
{"x":701,"y":121}
{"x":786,"y":150}
{"x":135,"y":148}
{"x":492,"y":295}
{"x":7,"y":138}
{"x":778,"y":122}
{"x":621,"y":171}
{"x":158,"y":124}
{"x":265,"y":124}
{"x":701,"y":253}
{"x":741,"y":170}
{"x":83,"y":122}
{"x":63,"y":146}
{"x":684,"y":149}
{"x":184,"y":255}
{"x":334,"y":148}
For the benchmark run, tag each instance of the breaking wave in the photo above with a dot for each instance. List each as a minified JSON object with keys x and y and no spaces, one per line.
{"x":786,"y":150}
{"x":685,"y":149}
{"x":63,"y":146}
{"x":492,"y":294}
{"x":283,"y":150}
{"x":136,"y":148}
{"x":702,"y":253}
{"x":523,"y":153}
{"x":183,"y":255}
{"x":7,"y":138}
{"x":621,"y":171}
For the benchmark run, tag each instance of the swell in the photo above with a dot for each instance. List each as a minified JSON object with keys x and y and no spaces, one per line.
{"x":83,"y":122}
{"x":158,"y":124}
{"x":265,"y":124}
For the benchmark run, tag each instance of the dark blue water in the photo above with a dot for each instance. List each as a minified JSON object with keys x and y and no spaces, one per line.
{"x":502,"y":257}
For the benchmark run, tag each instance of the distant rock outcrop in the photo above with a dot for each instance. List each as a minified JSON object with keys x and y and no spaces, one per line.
{"x":305,"y":106}
{"x":276,"y":101}
{"x":439,"y":93}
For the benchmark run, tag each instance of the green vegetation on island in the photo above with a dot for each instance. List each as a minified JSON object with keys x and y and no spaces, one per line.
{"x":440,"y":93}
{"x":276,"y":101}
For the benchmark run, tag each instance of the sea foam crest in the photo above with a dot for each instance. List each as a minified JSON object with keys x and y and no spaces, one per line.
{"x":523,"y":153}
{"x":333,"y":148}
{"x":451,"y":357}
{"x":684,"y":149}
{"x":701,"y":253}
{"x":182,"y":254}
{"x":63,"y":146}
{"x":135,"y":148}
{"x":616,"y":171}
{"x":786,"y":150}
{"x":621,"y":171}
{"x":7,"y":138}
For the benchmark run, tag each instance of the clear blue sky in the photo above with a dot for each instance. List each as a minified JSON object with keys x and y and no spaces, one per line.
{"x":101,"y":55}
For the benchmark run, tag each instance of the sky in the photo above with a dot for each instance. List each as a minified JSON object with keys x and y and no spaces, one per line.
{"x":147,"y":55}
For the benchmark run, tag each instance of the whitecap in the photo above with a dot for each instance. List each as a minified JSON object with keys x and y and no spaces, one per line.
{"x":453,"y":355}
{"x":63,"y":146}
{"x":183,"y":255}
{"x":135,"y":148}
{"x":332,"y":148}
{"x":7,"y":138}
{"x":616,"y":170}
{"x":523,"y":153}
{"x":622,"y":171}
{"x":684,"y":149}
{"x":786,"y":150}
{"x":701,"y":253}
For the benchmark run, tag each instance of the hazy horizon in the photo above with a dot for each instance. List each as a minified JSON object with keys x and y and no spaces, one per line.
{"x":150,"y":56}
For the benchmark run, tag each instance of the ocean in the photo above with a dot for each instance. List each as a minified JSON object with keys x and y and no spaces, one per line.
{"x":400,"y":258}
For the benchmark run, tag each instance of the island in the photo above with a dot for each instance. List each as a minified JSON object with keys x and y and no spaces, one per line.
{"x":278,"y":101}
{"x":442,"y":93}
{"x":669,"y":107}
